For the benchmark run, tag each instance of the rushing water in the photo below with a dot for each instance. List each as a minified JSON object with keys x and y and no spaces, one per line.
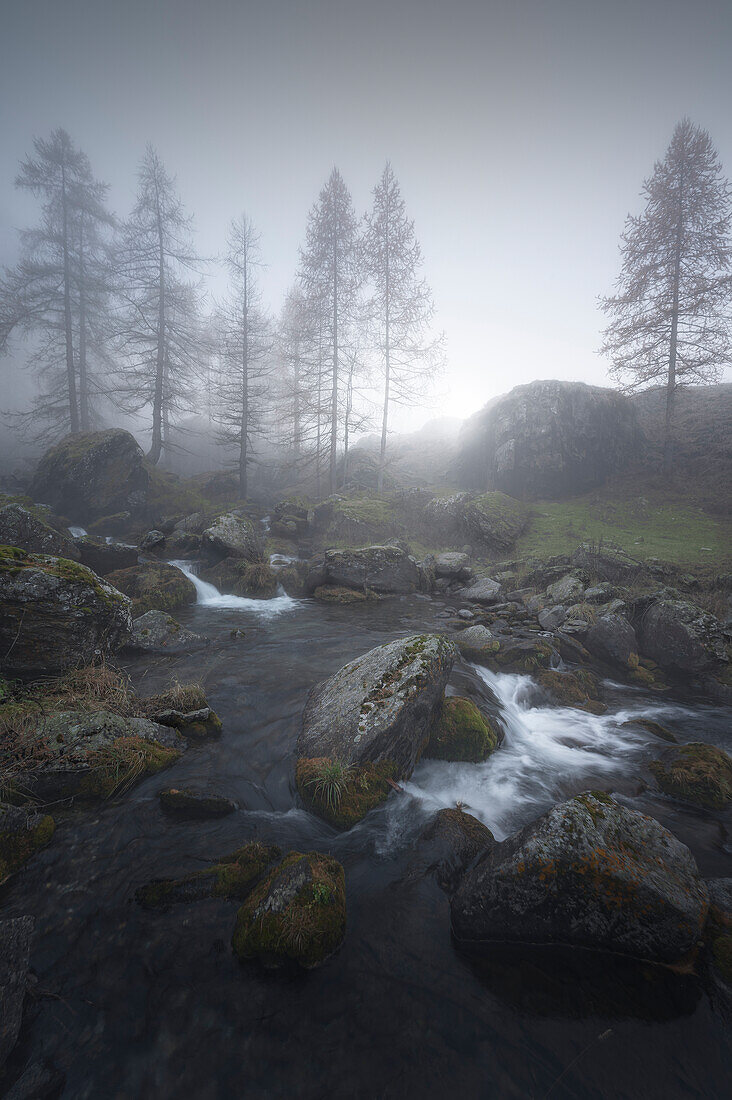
{"x":136,"y":1003}
{"x":77,"y":532}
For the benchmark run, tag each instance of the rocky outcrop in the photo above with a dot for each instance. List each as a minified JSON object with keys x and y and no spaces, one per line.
{"x":588,"y":873}
{"x":681,"y":637}
{"x":15,"y":937}
{"x":549,"y":439}
{"x":104,"y":557}
{"x":487,"y":521}
{"x":158,"y":632}
{"x":92,"y":474}
{"x":154,"y":586}
{"x":56,"y":614}
{"x":232,"y":536}
{"x":386,"y":570}
{"x":380,"y":707}
{"x":23,"y":528}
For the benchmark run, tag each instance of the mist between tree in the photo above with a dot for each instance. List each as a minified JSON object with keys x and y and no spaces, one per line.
{"x":118,"y":326}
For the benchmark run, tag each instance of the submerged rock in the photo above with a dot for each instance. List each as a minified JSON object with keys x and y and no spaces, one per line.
{"x":231,"y":876}
{"x":15,"y":937}
{"x":56,"y":614}
{"x":697,"y":773}
{"x":154,"y":586}
{"x":23,"y":832}
{"x":192,"y":804}
{"x":333,"y":593}
{"x":588,"y":873}
{"x":92,"y":474}
{"x":298,"y":913}
{"x":158,"y":632}
{"x":461,"y":733}
{"x":379,"y":707}
{"x":23,"y":528}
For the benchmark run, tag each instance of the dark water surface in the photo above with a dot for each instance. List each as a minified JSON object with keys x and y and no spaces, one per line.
{"x":144,"y":1004}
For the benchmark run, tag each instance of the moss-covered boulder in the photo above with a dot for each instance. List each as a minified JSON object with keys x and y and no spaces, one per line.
{"x":524,"y":654}
{"x":23,"y":832}
{"x":697,"y":773}
{"x":588,"y":873}
{"x":154,"y":586}
{"x":56,"y":614}
{"x":461,"y":733}
{"x":183,"y":707}
{"x":356,"y":520}
{"x":297,"y":914}
{"x":572,"y":689}
{"x":381,"y":706}
{"x":342,"y":794}
{"x":231,"y":876}
{"x":238,"y":577}
{"x":291,"y":518}
{"x":24,"y":528}
{"x":92,"y":474}
{"x":194,"y":804}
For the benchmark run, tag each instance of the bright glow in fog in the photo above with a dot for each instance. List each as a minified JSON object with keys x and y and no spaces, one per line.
{"x":208,"y":595}
{"x":545,"y":755}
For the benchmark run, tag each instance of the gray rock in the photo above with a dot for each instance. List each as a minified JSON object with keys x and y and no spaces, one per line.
{"x":484,"y":590}
{"x":453,"y":565}
{"x":476,"y":643}
{"x":612,"y":639}
{"x":190,"y":525}
{"x":466,"y":613}
{"x":598,"y":593}
{"x":449,"y":844}
{"x":382,"y":569}
{"x":153,"y":540}
{"x":19,"y":527}
{"x":56,"y":614}
{"x":233,"y":536}
{"x":92,"y":474}
{"x":158,"y":632}
{"x":195,"y":804}
{"x":104,"y":557}
{"x":567,"y":590}
{"x":552,"y":617}
{"x":720,"y":894}
{"x":15,"y":937}
{"x":588,"y":873}
{"x":681,"y":637}
{"x":381,"y":706}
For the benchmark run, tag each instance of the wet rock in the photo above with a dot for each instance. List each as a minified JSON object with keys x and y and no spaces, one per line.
{"x":158,"y":632}
{"x":681,"y":637}
{"x":117,"y":524}
{"x":56,"y":614}
{"x":466,"y":614}
{"x":613,"y":640}
{"x":477,"y":643}
{"x":23,"y":832}
{"x":25,"y":529}
{"x":572,"y":689}
{"x":450,"y":842}
{"x":184,"y":707}
{"x":231,"y":876}
{"x":342,"y":794}
{"x":654,"y":728}
{"x":104,"y":557}
{"x":298,"y":913}
{"x":386,"y":570}
{"x":552,"y":617}
{"x":484,"y":590}
{"x":92,"y":474}
{"x":696,"y":772}
{"x":37,"y":1082}
{"x":15,"y":937}
{"x":567,"y":590}
{"x":154,"y":586}
{"x":720,"y":895}
{"x":333,"y":593}
{"x":192,"y":804}
{"x":243,"y":578}
{"x":232,"y":536}
{"x":523,"y":654}
{"x":153,"y":541}
{"x":589,"y":873}
{"x":461,"y":733}
{"x":381,"y":706}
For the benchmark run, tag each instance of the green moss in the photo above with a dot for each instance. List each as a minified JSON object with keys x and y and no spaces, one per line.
{"x":308,"y":928}
{"x":13,"y":560}
{"x":333,"y":593}
{"x":697,"y":773}
{"x":365,"y":787}
{"x":572,"y":689}
{"x":153,"y":587}
{"x":115,"y":768}
{"x":17,"y":846}
{"x":461,"y":733}
{"x":654,"y":728}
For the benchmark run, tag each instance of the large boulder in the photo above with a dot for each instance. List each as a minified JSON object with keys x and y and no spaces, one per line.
{"x":154,"y":586}
{"x":681,"y":637}
{"x":23,"y":528}
{"x":15,"y":937}
{"x":92,"y":474}
{"x":56,"y":614}
{"x":461,"y":733}
{"x":449,"y":844}
{"x":104,"y":557}
{"x":612,"y":639}
{"x":549,"y":439}
{"x":489,"y":521}
{"x":232,"y":536}
{"x":379,"y":707}
{"x":157,"y":632}
{"x":588,"y":873}
{"x":482,"y":590}
{"x":381,"y":569}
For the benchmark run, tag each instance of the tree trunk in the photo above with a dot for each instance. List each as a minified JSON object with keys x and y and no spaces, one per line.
{"x":244,"y":426}
{"x":70,"y":370}
{"x":296,"y":409}
{"x":157,"y":412}
{"x":668,"y":445}
{"x":83,"y":380}
{"x":387,"y":363}
{"x":334,"y":388}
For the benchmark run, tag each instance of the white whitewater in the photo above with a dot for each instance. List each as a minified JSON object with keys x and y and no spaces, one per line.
{"x":77,"y":532}
{"x":208,"y":595}
{"x":548,"y":753}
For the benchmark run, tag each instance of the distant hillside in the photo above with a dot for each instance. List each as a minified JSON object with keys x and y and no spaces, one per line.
{"x":423,"y":457}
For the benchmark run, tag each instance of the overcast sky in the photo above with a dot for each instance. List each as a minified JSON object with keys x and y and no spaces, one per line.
{"x":520,"y":131}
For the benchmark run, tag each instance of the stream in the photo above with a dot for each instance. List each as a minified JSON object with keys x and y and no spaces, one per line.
{"x":133,"y":1003}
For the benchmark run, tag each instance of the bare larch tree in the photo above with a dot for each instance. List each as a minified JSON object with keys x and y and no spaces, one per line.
{"x":670,"y":315}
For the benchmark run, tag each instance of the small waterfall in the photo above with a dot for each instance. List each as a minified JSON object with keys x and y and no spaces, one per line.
{"x":208,"y":595}
{"x":77,"y":532}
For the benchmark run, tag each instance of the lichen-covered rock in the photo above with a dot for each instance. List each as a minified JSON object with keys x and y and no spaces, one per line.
{"x":298,"y":913}
{"x":56,"y":614}
{"x":549,"y":439}
{"x":92,"y":474}
{"x":588,"y":873}
{"x":104,"y":557}
{"x":23,"y":832}
{"x":154,"y":586}
{"x":681,"y":637}
{"x":696,"y":772}
{"x":380,"y":569}
{"x":476,"y":643}
{"x":193,"y":804}
{"x":23,"y":528}
{"x":613,"y":640}
{"x":450,"y":842}
{"x":552,"y":617}
{"x":461,"y":733}
{"x":232,"y":536}
{"x":231,"y":876}
{"x":153,"y":542}
{"x":482,"y":590}
{"x":342,"y":794}
{"x":381,"y":706}
{"x":15,"y":937}
{"x":158,"y":632}
{"x":567,"y":589}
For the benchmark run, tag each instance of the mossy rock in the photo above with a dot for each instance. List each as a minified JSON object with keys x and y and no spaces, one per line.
{"x":298,"y":913}
{"x":697,"y":773}
{"x":523,"y":656}
{"x":22,"y":834}
{"x":232,"y":876}
{"x":363,"y":787}
{"x":654,"y":728}
{"x":461,"y":733}
{"x":153,"y":586}
{"x":237,"y":577}
{"x":572,"y":689}
{"x":334,"y":593}
{"x":116,"y":767}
